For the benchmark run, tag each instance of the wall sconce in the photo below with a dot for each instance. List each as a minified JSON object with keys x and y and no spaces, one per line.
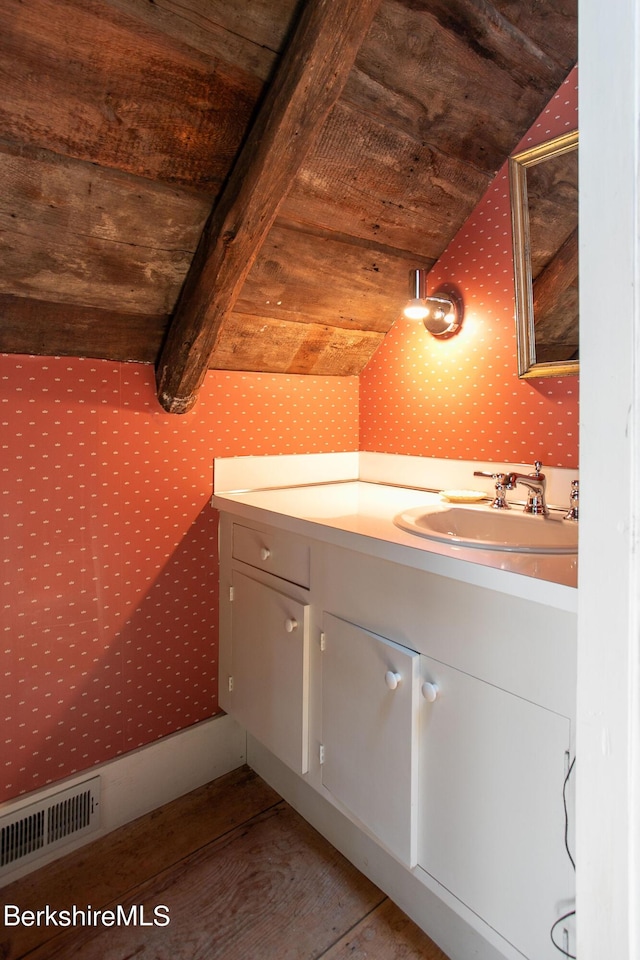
{"x":440,"y":314}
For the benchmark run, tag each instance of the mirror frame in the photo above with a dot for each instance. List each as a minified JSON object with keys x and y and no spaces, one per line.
{"x":528,"y":367}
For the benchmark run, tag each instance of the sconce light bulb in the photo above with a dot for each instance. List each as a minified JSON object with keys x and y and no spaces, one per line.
{"x":416,"y":310}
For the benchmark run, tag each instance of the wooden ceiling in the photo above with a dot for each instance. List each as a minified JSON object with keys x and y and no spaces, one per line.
{"x":244,"y":184}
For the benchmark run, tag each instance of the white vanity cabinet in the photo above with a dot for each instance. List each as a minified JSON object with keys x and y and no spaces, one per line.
{"x":436,"y":714}
{"x":264,"y":658}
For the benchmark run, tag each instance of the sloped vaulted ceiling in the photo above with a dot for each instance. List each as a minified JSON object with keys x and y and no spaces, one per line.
{"x":122,"y":123}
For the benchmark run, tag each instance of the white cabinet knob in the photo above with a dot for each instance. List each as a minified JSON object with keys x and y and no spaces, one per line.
{"x":392,"y":679}
{"x":290,"y":624}
{"x":265,"y":553}
{"x":430,"y":691}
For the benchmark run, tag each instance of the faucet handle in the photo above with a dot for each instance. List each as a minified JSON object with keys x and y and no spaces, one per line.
{"x":492,"y":476}
{"x":499,"y":502}
{"x":573,"y":511}
{"x":537,"y":467}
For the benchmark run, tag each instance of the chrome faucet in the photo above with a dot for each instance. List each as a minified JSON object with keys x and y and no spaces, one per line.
{"x":536,"y":484}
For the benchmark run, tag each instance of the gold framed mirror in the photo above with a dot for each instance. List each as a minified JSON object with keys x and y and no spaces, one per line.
{"x":544,"y":216}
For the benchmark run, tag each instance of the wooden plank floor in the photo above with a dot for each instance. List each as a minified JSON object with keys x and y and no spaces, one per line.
{"x":242,"y":875}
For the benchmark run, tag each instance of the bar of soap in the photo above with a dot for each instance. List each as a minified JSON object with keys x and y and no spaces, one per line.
{"x":463,"y":496}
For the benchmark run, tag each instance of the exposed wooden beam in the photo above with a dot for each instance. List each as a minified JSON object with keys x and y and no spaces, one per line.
{"x":310,"y":78}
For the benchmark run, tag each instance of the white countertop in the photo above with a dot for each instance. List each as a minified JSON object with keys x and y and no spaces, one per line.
{"x":359,"y":515}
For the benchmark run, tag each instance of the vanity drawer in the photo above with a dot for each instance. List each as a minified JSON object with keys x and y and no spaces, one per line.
{"x":283,"y":554}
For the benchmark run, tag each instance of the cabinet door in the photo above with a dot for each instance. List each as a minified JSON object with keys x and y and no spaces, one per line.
{"x":269,"y":683}
{"x":491,"y":826}
{"x":370,"y":695}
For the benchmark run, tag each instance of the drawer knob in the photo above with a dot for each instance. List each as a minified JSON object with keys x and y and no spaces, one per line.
{"x":265,"y":553}
{"x":392,"y":679}
{"x":430,"y":692}
{"x":290,"y":624}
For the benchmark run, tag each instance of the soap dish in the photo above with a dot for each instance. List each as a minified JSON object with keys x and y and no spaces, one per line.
{"x":463,"y":496}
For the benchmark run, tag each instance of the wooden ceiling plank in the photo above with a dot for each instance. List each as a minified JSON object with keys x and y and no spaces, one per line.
{"x":217,"y":26}
{"x":270,"y":345}
{"x":45,"y":329}
{"x":459,"y":75}
{"x":553,"y":26}
{"x":42,"y":261}
{"x":309,"y":80}
{"x":247,"y":34}
{"x":86,"y":235}
{"x":116,"y":92}
{"x":375,"y":182}
{"x":358,"y":288}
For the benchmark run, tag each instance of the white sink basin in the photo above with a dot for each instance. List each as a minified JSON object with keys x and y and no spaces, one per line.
{"x":482,"y":526}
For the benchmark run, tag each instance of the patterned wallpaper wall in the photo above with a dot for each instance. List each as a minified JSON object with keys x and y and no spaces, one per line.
{"x":461,"y":398}
{"x":108,"y":593}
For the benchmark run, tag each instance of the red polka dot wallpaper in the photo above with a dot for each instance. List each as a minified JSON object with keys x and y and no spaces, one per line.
{"x":109,"y":586}
{"x":461,"y":398}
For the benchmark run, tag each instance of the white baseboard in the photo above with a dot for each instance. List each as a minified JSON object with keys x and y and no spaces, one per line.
{"x":453,"y":934}
{"x":144,"y":779}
